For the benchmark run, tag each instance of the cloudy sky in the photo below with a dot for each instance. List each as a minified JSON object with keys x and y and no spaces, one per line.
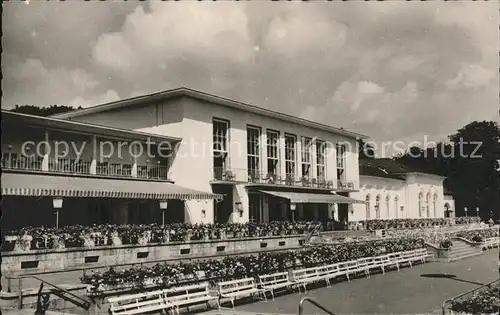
{"x":391,"y":70}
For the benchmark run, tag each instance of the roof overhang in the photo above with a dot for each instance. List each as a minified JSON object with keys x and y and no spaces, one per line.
{"x":18,"y":119}
{"x":34,"y":185}
{"x":186,"y":92}
{"x":422,"y":174}
{"x":295,"y":197}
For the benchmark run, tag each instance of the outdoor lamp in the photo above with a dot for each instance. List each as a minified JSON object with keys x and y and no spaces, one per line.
{"x":57,"y":203}
{"x":293,"y":206}
{"x":465,"y":210}
{"x":477,"y":211}
{"x":163,"y":208}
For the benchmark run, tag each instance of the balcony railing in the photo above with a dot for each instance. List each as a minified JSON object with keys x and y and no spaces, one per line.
{"x":28,"y":163}
{"x":257,"y":177}
{"x":345,"y":185}
{"x":69,"y":166}
{"x":17,"y":161}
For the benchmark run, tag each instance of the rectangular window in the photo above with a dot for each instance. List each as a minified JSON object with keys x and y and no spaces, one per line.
{"x":273,"y":157}
{"x":253,"y":152}
{"x":220,"y":147}
{"x":290,"y":155}
{"x":321,"y":159}
{"x":306,"y":146}
{"x":341,"y":155}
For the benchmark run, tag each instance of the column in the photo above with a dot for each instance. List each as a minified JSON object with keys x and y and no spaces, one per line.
{"x":263,"y":149}
{"x":313,"y":173}
{"x":298,"y":168}
{"x":93,"y":163}
{"x":282,"y":156}
{"x":45,"y":160}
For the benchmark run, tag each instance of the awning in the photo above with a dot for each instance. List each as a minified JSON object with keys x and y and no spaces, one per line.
{"x":312,"y":198}
{"x":68,"y":186}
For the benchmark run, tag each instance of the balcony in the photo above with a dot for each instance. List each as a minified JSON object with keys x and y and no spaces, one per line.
{"x":221,"y":174}
{"x":19,"y":162}
{"x":345,"y":185}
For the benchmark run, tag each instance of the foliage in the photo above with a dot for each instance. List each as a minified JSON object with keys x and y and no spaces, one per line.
{"x":469,"y":162}
{"x":166,"y":274}
{"x":481,"y":302}
{"x":446,"y":243}
{"x":43,"y":111}
{"x":365,"y":150}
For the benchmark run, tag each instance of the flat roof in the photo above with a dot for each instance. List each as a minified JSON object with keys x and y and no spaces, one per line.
{"x":183,"y":91}
{"x":14,"y":118}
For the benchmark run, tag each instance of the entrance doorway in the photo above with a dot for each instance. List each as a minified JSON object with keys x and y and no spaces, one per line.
{"x":255,"y":207}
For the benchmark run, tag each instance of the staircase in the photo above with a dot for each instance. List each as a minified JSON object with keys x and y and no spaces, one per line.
{"x":462,"y":249}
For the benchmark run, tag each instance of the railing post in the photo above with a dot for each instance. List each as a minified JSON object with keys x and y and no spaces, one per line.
{"x":20,"y":295}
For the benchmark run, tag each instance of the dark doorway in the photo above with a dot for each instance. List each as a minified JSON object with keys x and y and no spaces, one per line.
{"x":224,"y":208}
{"x":255,"y":207}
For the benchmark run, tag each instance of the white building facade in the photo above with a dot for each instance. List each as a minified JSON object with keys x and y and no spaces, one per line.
{"x":392,"y":191}
{"x":268,"y":165}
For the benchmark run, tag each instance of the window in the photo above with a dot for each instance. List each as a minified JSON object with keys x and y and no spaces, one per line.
{"x":220,"y":147}
{"x":306,"y":157}
{"x":396,"y":206}
{"x":273,"y":167}
{"x":341,"y":152}
{"x":434,"y":205}
{"x":367,"y":204}
{"x":428,"y":205}
{"x":421,"y":204}
{"x":253,"y":152}
{"x":377,"y":207}
{"x":321,"y":159}
{"x":387,"y":206}
{"x":290,"y":155}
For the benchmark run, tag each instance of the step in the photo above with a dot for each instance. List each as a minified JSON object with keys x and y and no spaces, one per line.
{"x":460,"y":257}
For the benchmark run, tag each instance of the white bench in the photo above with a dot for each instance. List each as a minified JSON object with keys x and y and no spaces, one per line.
{"x":189,"y":295}
{"x":138,"y":303}
{"x":274,"y":281}
{"x":235,"y":289}
{"x":303,"y":277}
{"x":365,"y":264}
{"x":407,"y":257}
{"x":348,"y":267}
{"x":385,"y":261}
{"x":491,"y":242}
{"x":328,"y":272}
{"x":422,"y":255}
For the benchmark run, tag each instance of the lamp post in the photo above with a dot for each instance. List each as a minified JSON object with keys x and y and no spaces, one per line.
{"x":477,"y":211}
{"x":465,"y":210}
{"x":293,"y":206}
{"x":57,"y":203}
{"x":163,"y":208}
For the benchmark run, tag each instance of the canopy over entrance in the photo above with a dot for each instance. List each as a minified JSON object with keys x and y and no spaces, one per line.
{"x":62,"y":186}
{"x":295,"y":197}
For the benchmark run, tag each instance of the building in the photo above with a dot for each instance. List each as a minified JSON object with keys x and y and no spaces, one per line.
{"x":392,"y":190}
{"x":61,"y":172}
{"x":267,"y":165}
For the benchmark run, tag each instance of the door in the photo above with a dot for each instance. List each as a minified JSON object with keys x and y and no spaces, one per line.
{"x":255,"y":209}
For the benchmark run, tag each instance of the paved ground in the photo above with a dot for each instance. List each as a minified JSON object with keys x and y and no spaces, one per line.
{"x":406,"y":292}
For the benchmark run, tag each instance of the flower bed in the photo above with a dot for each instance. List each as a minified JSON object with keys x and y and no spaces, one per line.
{"x":97,"y":235}
{"x":165,"y":274}
{"x":378,"y":224}
{"x":482,"y":302}
{"x":477,"y":236}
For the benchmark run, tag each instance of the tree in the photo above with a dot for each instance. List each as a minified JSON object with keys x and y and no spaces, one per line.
{"x":470,"y":163}
{"x":365,"y":150}
{"x":43,"y":111}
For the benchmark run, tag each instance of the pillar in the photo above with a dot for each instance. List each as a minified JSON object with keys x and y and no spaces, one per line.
{"x":45,"y":160}
{"x":93,"y":162}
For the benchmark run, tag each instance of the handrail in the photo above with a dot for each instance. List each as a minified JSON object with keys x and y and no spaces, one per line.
{"x":466,"y":293}
{"x":313,"y":302}
{"x":86,"y":303}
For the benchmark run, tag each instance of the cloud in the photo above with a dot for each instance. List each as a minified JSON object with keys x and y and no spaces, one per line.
{"x":392,"y":69}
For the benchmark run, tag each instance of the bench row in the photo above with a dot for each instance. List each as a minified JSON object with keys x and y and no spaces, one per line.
{"x":185,"y":296}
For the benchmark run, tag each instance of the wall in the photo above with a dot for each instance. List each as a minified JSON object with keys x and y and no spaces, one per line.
{"x":192,"y":165}
{"x":384,"y":187}
{"x":425,"y":183}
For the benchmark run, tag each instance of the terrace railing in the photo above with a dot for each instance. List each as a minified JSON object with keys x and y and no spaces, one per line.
{"x":258,"y":177}
{"x":345,"y":185}
{"x":69,"y":166}
{"x":27,"y":163}
{"x":152,"y":172}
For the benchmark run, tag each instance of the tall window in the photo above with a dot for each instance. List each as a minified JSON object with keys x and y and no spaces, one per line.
{"x":321,"y":159}
{"x":367,"y":204}
{"x":220,"y":146}
{"x":306,"y":157}
{"x":253,"y":152}
{"x":387,"y":206}
{"x":428,"y":205}
{"x":341,"y":152}
{"x":421,"y":204}
{"x":396,"y":206}
{"x":377,"y":207}
{"x":273,"y":157}
{"x":290,"y":157}
{"x":434,"y":205}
